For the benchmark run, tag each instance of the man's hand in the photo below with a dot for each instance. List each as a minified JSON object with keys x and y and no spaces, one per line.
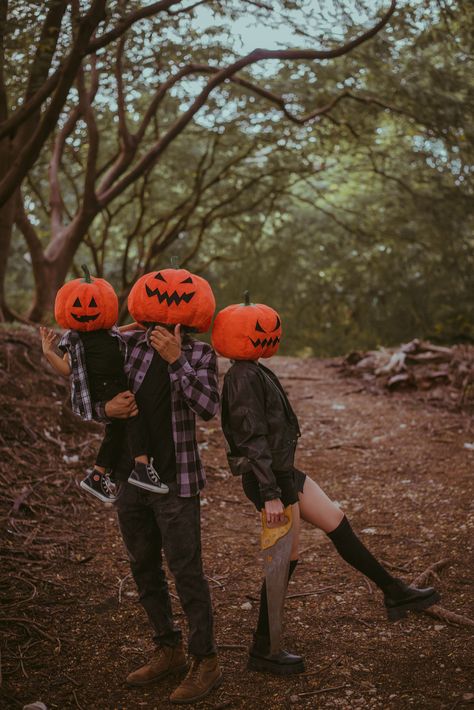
{"x":275,"y":511}
{"x":167,"y":344}
{"x":122,"y":406}
{"x":48,"y":338}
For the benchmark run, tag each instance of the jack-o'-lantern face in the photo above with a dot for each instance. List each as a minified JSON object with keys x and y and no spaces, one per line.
{"x":247,"y":331}
{"x":86,"y":304}
{"x":172,"y":296}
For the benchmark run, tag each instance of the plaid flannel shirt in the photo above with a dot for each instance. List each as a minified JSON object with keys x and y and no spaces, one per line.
{"x":81,"y":400}
{"x":194,"y":390}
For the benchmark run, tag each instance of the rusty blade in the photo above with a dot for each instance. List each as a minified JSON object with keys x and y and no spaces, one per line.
{"x":276,"y":546}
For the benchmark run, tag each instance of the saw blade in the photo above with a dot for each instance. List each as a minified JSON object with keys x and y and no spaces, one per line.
{"x":276,"y":545}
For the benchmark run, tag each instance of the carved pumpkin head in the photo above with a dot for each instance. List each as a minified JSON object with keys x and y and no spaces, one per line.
{"x":172,"y":296}
{"x":86,"y":304}
{"x":246,"y":331}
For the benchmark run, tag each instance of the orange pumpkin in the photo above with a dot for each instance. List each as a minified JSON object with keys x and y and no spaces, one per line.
{"x":86,"y":304}
{"x":247,"y":331}
{"x":172,"y":296}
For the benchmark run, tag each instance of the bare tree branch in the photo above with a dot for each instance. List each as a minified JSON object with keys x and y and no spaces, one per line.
{"x":3,"y":88}
{"x":128,"y":21}
{"x":125,"y":138}
{"x":85,"y":102}
{"x":29,"y":153}
{"x":11,"y":124}
{"x":220,"y":77}
{"x":26,"y":228}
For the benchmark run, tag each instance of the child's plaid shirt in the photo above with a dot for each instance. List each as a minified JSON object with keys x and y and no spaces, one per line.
{"x":194,"y":390}
{"x":81,"y":401}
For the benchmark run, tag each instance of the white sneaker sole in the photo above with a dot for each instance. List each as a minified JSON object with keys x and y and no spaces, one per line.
{"x":162,"y":490}
{"x":98,"y":495}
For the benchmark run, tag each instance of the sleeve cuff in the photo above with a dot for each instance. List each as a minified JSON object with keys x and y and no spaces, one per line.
{"x":99,"y":412}
{"x":270,"y":493}
{"x":180,"y":367}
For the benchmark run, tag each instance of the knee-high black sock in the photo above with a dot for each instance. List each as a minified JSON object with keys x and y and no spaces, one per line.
{"x":353,"y":551}
{"x":263,"y":628}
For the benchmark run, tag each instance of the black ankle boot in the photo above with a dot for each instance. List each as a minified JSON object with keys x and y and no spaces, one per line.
{"x":281,"y":663}
{"x":400,"y":598}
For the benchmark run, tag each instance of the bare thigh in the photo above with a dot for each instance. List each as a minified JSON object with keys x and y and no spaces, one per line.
{"x":317,"y":508}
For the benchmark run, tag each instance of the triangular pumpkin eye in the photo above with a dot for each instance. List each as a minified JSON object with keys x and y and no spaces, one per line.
{"x":187,"y":281}
{"x":259,"y":328}
{"x":92,"y":304}
{"x":76,"y":304}
{"x":160,"y":277}
{"x":278,"y":324}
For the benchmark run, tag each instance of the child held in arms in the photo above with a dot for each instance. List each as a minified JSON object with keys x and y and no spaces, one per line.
{"x":94,"y":354}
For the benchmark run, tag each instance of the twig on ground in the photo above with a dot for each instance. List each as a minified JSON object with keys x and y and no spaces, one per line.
{"x":322,"y":690}
{"x":390,"y":565}
{"x":311,"y":593}
{"x":323,"y":670}
{"x":216,"y":581}
{"x":121,"y":583}
{"x":439,"y":612}
{"x":77,"y":701}
{"x":231,"y":647}
{"x":72,"y":680}
{"x":29,"y":622}
{"x":21,"y":662}
{"x":428,"y":572}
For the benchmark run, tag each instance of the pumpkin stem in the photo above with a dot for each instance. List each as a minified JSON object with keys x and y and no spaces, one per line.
{"x":87,"y":274}
{"x":174,"y":262}
{"x":246,"y":298}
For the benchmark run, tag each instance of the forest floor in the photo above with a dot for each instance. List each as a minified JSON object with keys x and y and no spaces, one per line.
{"x":71,"y":624}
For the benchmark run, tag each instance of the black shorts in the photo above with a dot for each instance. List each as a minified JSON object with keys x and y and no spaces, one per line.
{"x":289,"y":482}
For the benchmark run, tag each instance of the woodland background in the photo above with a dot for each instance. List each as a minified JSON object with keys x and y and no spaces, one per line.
{"x":333,"y":180}
{"x":332,"y":176}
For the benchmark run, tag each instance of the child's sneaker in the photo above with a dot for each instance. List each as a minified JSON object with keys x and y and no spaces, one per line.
{"x":144,"y":475}
{"x":100,"y":485}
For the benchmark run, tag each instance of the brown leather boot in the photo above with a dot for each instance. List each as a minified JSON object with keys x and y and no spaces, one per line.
{"x":203,"y":676}
{"x":165,"y":661}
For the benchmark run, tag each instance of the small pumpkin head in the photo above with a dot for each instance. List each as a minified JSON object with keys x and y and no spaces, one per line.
{"x":247,"y":331}
{"x":86,"y":304}
{"x":172,"y":296}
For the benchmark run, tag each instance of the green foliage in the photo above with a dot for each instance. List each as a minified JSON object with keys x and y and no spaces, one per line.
{"x":357,"y":227}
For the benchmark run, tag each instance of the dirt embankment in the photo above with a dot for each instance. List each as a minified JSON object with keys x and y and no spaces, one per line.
{"x":70,"y":622}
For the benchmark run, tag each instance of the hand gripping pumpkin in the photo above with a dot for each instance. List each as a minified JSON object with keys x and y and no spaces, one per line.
{"x":86,"y":304}
{"x":246,"y":331}
{"x":172,"y":296}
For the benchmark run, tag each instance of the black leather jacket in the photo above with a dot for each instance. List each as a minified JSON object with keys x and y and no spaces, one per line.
{"x":259,"y":424}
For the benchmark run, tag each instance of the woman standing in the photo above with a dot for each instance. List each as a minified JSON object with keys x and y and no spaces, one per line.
{"x":261,"y":429}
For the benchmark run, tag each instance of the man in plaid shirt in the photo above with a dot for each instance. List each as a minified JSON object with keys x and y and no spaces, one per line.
{"x":172,"y":378}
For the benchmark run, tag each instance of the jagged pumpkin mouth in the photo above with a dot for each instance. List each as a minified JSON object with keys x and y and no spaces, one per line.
{"x":170,"y":299}
{"x":84,"y":319}
{"x":266,"y":342}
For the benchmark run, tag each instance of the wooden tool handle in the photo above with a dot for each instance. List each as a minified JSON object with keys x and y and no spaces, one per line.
{"x":270,"y":535}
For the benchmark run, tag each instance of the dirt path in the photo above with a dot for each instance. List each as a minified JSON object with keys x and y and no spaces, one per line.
{"x":400,"y":471}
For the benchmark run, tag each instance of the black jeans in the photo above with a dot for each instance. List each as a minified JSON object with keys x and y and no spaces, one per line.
{"x":150,"y":525}
{"x":132,"y":429}
{"x":116,"y":431}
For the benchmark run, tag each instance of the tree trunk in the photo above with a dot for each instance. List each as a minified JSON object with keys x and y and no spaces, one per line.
{"x":7,"y":220}
{"x":7,"y":217}
{"x":49,"y":277}
{"x":51,"y":267}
